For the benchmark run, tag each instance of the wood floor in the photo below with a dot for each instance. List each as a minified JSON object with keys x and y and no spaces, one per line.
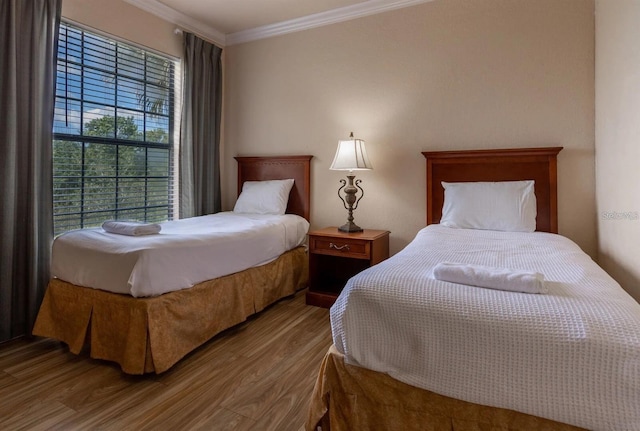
{"x":256,"y":376}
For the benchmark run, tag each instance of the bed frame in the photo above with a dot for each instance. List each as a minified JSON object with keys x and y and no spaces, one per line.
{"x":151,"y":334}
{"x":348,"y":397}
{"x":538,"y":164}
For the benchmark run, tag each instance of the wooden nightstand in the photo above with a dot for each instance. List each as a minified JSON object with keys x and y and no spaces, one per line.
{"x":335,"y":257}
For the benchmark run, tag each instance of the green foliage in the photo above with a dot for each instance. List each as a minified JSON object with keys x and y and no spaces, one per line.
{"x":157,"y":135}
{"x":114,"y":175}
{"x":156,"y":99}
{"x":67,"y":182}
{"x":105,"y":127}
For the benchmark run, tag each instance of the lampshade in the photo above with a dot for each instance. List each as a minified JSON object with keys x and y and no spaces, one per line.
{"x":351,"y":156}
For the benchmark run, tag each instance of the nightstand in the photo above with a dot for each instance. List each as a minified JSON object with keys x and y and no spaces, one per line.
{"x":335,"y":257}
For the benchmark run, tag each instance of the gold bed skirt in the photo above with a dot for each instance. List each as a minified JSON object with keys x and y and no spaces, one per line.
{"x":347,"y":398}
{"x":151,"y":334}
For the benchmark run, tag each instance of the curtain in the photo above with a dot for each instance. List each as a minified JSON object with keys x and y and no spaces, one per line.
{"x":28,"y":44}
{"x":200,"y":128}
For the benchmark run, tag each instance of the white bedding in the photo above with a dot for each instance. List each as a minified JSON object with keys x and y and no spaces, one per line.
{"x":184,"y":253}
{"x":571,"y":355}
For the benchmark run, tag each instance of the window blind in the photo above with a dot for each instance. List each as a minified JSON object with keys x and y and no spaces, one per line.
{"x":113,"y":132}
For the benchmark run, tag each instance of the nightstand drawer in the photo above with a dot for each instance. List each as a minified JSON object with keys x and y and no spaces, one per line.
{"x":335,"y":257}
{"x":341,"y":247}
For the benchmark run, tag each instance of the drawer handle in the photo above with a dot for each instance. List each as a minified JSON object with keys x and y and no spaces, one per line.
{"x":339,"y":247}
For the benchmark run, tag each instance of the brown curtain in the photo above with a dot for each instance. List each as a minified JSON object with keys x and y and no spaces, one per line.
{"x":200,"y":128}
{"x":28,"y":44}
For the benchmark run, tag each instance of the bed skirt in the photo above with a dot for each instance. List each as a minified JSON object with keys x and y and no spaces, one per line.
{"x":146,"y":335}
{"x":347,"y":397}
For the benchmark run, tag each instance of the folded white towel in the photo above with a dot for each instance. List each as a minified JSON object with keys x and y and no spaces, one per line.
{"x":490,"y":277}
{"x":131,"y":228}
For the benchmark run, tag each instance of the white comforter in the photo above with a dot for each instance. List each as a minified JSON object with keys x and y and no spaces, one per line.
{"x":184,"y":253}
{"x":571,"y":355}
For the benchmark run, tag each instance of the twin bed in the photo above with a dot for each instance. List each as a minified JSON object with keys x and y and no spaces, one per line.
{"x":145,"y":302}
{"x":410,"y":351}
{"x":415,"y":352}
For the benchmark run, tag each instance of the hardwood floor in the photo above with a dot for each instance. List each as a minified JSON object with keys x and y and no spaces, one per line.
{"x":256,"y":376}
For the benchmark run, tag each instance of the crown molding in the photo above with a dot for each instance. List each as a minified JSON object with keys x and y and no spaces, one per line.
{"x":181,"y":20}
{"x":370,"y":7}
{"x":359,"y":10}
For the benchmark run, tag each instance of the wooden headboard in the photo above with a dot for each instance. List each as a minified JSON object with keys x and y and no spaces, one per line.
{"x":280,"y":168}
{"x":538,"y":164}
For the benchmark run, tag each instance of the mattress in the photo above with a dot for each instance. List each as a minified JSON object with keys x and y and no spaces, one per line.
{"x":184,"y":253}
{"x":571,"y":355}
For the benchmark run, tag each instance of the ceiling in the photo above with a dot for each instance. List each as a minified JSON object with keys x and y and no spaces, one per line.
{"x":228,"y":22}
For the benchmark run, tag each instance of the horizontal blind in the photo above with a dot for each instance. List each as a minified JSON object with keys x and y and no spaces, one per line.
{"x":113,"y":132}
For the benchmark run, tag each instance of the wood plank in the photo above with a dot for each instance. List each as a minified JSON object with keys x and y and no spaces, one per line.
{"x":18,"y":351}
{"x":36,"y":415}
{"x":223,"y":420}
{"x":47,"y":382}
{"x":273,"y":372}
{"x":116,"y":401}
{"x":280,"y":401}
{"x":6,"y":380}
{"x":183,"y":401}
{"x":257,"y":375}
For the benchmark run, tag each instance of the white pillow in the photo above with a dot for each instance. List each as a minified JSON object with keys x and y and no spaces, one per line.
{"x":505,"y":205}
{"x":264,"y":197}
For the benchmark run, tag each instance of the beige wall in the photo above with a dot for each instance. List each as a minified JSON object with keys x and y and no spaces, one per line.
{"x":125,"y":21}
{"x":618,"y":140}
{"x":451,"y":74}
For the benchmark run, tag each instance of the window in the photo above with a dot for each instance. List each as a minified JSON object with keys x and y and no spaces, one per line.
{"x":113,"y":132}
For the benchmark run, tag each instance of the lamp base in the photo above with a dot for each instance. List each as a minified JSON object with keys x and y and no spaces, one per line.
{"x":350,"y":227}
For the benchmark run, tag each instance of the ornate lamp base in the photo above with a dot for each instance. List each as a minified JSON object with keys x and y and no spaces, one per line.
{"x":350,"y":227}
{"x":350,"y":202}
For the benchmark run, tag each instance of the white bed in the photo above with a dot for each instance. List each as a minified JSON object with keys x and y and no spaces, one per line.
{"x":184,"y":253}
{"x":571,"y":355}
{"x":145,"y":302}
{"x":412,"y":352}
